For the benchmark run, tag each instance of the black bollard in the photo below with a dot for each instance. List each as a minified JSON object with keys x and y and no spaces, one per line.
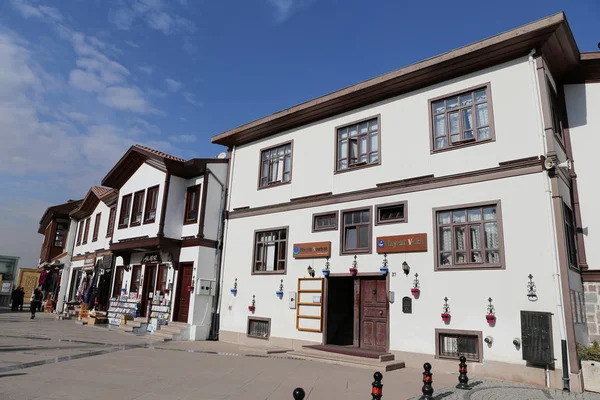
{"x":463,"y":379}
{"x":427,"y":381}
{"x":299,"y":394}
{"x":377,"y":389}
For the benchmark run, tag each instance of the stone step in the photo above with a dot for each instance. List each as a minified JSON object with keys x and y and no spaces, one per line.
{"x":174,"y":329}
{"x":83,"y":321}
{"x":350,"y":361}
{"x":161,"y":334}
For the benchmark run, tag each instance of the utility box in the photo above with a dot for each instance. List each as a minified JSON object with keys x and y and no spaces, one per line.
{"x":205,"y":287}
{"x":292,"y":300}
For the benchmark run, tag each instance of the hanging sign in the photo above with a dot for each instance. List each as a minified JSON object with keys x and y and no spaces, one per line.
{"x":151,"y":258}
{"x":402,"y":243}
{"x":312,"y":250}
{"x":89,"y":261}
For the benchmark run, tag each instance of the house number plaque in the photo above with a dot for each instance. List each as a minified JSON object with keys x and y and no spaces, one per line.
{"x":407,"y":305}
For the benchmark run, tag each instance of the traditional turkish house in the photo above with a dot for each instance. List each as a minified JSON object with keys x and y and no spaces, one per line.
{"x":92,"y":264}
{"x":431,"y":208}
{"x":165,"y":239}
{"x":55,"y":254}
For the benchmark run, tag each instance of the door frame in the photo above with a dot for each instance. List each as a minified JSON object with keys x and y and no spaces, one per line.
{"x":357,"y":304}
{"x":179,"y":288}
{"x":146,"y":287}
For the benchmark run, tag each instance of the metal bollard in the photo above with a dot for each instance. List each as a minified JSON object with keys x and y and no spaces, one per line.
{"x":427,"y":381}
{"x":299,"y":394}
{"x":377,"y":389}
{"x":463,"y":379}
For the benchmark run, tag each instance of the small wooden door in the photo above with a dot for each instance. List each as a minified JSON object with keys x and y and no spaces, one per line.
{"x":373,"y":315}
{"x":183,"y":294}
{"x":148,"y":288}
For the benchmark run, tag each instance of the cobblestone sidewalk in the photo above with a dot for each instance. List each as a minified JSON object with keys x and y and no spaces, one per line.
{"x":498,"y":390}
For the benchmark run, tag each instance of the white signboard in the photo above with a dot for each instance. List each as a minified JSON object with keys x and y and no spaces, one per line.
{"x":6,"y":286}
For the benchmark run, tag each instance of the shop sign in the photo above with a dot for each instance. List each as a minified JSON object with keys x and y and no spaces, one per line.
{"x":6,"y":287}
{"x":312,"y":250}
{"x":402,"y":243}
{"x":89,"y":262}
{"x":151,"y":258}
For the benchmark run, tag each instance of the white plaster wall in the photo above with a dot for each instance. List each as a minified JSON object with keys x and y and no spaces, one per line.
{"x":175,"y":207}
{"x":103,"y":242}
{"x":583,"y":105}
{"x":405,"y":140}
{"x":189,"y":229}
{"x":145,"y":177}
{"x":528,"y":249}
{"x":66,"y":274}
{"x":213,"y":200}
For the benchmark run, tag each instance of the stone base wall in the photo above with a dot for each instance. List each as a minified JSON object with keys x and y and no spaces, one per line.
{"x":592,"y":309}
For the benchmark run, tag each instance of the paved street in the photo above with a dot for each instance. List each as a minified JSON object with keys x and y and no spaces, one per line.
{"x":49,"y":359}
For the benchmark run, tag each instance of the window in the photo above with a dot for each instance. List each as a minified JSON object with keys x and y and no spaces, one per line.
{"x":571,"y":246}
{"x":192,"y":204}
{"x":111,"y":221}
{"x":59,"y":236}
{"x":469,"y":237}
{"x":138,"y":207}
{"x":125,"y":210}
{"x":151,"y":203}
{"x":80,"y":232}
{"x":358,"y":144}
{"x":453,"y":344}
{"x":391,"y":213}
{"x":259,"y":328}
{"x":162,"y":278}
{"x":96,"y":227}
{"x":577,"y":307}
{"x":136,"y":277}
{"x":462,"y":118}
{"x":276,"y":165}
{"x":86,"y":231}
{"x":270,"y":251}
{"x":325,"y":221}
{"x":356,"y":231}
{"x":558,"y":111}
{"x":118,"y":281}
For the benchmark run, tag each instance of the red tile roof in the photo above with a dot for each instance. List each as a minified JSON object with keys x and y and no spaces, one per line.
{"x":100,"y":191}
{"x":159,"y":153}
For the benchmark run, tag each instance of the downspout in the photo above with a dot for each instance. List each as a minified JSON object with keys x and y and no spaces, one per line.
{"x":214,"y":332}
{"x":552,"y":227}
{"x":163,"y":211}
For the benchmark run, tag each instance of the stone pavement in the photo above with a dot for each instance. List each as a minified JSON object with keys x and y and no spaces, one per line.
{"x":49,"y":359}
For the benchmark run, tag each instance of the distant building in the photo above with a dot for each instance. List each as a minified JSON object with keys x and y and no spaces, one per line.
{"x":8,"y":273}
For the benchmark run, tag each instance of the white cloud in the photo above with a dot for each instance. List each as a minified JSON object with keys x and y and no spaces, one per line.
{"x":76,"y":116}
{"x":140,"y":125}
{"x":146,"y":69}
{"x":125,"y":98}
{"x":283,"y":9}
{"x":157,"y":15}
{"x":86,"y":81}
{"x":191,"y":98}
{"x":182,"y":138}
{"x":172,"y":84}
{"x":132,"y":44}
{"x":27,"y":9}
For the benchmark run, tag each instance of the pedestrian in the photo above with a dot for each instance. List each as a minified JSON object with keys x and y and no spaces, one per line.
{"x":21,"y":297}
{"x":13,"y":299}
{"x":36,"y":300}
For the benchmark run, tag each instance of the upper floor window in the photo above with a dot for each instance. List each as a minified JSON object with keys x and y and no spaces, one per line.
{"x":461,"y":119}
{"x":59,"y":236}
{"x":325,"y":221}
{"x":469,"y":237}
{"x":270,"y":251}
{"x":391,"y":213}
{"x":356,"y":231}
{"x":151,"y":203}
{"x":96,"y":227}
{"x":80,"y":232}
{"x":125,"y":211}
{"x":358,"y":144}
{"x":558,"y":111}
{"x":86,"y":231}
{"x":111,"y":221}
{"x":570,"y":235}
{"x":138,"y":207}
{"x":276,"y":165}
{"x":192,"y":204}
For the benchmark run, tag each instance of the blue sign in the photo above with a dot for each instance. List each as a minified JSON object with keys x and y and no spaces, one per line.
{"x":380,"y":243}
{"x":296,"y":249}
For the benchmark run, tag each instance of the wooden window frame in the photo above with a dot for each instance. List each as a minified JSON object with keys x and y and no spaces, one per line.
{"x":570,"y":237}
{"x":133,"y":269}
{"x":358,"y":164}
{"x":138,"y":205}
{"x":197,"y":189}
{"x":112,"y":215}
{"x":260,"y":319}
{"x":380,"y":207}
{"x":86,"y":231}
{"x":335,"y":213}
{"x":80,"y":232}
{"x":463,"y":142}
{"x":97,"y":220}
{"x":558,"y":111}
{"x":125,"y":212}
{"x":369,"y":249}
{"x":262,"y":159}
{"x":469,"y":266}
{"x":161,"y":268}
{"x":64,"y":235}
{"x":148,"y":209}
{"x":439,"y":333}
{"x":255,"y":245}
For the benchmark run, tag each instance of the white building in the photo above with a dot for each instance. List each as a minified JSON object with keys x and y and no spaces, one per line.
{"x":167,"y":231}
{"x":449,"y":165}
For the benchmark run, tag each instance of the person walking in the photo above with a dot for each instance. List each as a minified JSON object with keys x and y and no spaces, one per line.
{"x":21,"y":297}
{"x":13,"y":299}
{"x":36,"y":300}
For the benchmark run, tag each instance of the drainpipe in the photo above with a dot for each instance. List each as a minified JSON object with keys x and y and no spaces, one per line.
{"x":214,"y":332}
{"x":552,"y":227}
{"x":163,"y":211}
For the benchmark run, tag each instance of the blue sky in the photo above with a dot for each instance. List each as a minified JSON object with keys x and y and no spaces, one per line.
{"x":82,"y":80}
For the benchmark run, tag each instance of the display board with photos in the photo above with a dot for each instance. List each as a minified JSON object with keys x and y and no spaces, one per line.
{"x":120,"y":307}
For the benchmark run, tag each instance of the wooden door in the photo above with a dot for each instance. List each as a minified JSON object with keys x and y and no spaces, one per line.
{"x":183,"y":294}
{"x":373,"y":314}
{"x":148,"y":288}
